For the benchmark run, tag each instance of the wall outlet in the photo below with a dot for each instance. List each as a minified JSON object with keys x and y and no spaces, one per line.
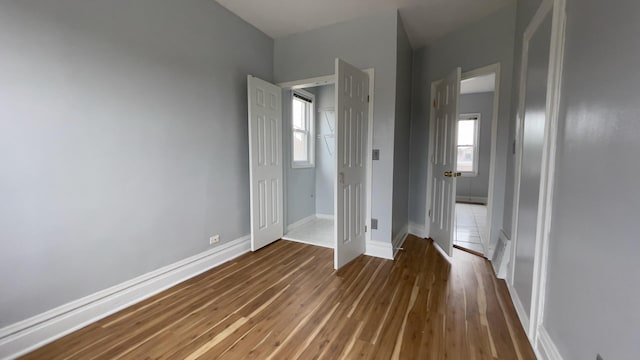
{"x":214,"y":239}
{"x":374,"y":224}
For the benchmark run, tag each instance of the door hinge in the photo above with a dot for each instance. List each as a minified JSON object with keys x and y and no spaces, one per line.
{"x":365,"y":228}
{"x":368,"y":98}
{"x":429,"y":212}
{"x":435,"y":104}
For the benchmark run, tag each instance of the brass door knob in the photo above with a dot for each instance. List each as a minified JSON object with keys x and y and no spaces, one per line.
{"x":458,"y":174}
{"x":448,"y":173}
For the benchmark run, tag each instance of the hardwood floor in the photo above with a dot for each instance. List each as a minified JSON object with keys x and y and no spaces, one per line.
{"x":286,"y":302}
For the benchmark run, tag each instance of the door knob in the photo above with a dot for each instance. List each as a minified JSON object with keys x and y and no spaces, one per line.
{"x":458,"y":174}
{"x":448,"y":174}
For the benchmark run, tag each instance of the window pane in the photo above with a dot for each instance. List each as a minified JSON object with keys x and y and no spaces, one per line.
{"x":299,"y":113}
{"x":465,"y":159}
{"x":466,"y":132}
{"x":300,"y":146}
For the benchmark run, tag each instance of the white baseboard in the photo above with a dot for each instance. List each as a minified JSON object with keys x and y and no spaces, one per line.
{"x":472,"y":199}
{"x":522,"y":313}
{"x":547,"y":349}
{"x":379,"y":249}
{"x":324,"y":216}
{"x":399,"y":239}
{"x":300,"y":222}
{"x":417,"y":230}
{"x":27,"y":335}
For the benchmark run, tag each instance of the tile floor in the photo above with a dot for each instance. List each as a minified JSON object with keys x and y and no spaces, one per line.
{"x":317,"y":232}
{"x":470,"y":224}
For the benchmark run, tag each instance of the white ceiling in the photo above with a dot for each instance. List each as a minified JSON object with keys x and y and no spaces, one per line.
{"x":424,"y":20}
{"x":478,"y":84}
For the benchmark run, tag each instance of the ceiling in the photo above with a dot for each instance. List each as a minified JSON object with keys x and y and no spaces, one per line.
{"x":478,"y":84}
{"x":424,"y":20}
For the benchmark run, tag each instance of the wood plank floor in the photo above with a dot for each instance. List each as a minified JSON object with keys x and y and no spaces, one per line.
{"x":286,"y":302}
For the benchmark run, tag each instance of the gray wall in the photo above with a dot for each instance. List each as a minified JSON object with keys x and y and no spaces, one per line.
{"x":482,"y":103}
{"x":525,"y":11}
{"x":325,"y":160}
{"x":485,"y":42}
{"x":401,"y":133}
{"x":123,"y":141}
{"x":366,"y":43}
{"x":300,"y":183}
{"x":592,"y":294}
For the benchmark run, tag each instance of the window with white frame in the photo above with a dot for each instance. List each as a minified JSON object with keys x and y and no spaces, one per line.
{"x":302,"y":129}
{"x":468,"y":126}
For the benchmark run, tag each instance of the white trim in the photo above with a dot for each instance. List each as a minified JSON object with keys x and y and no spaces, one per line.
{"x":472,"y":199}
{"x":309,"y":82}
{"x":325,"y":216}
{"x":379,"y":249}
{"x":399,"y":239}
{"x":547,"y":176}
{"x":310,"y":131}
{"x":301,"y":222}
{"x":288,"y":238}
{"x":476,"y":142}
{"x":27,"y":335}
{"x":520,"y":310}
{"x":417,"y":230}
{"x":489,"y":69}
{"x":547,"y":349}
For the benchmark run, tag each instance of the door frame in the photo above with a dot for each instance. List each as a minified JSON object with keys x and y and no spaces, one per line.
{"x":485,"y":70}
{"x":328,"y":80}
{"x":533,"y":322}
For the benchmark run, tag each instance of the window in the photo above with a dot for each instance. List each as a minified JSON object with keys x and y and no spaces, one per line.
{"x":468,"y":144}
{"x":302,"y":129}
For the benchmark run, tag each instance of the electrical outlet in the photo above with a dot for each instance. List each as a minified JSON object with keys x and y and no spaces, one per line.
{"x":374,"y":224}
{"x":214,"y":239}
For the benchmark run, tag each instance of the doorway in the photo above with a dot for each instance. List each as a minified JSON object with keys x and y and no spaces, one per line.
{"x":464,"y":180}
{"x":286,"y":130}
{"x":476,"y":106}
{"x":309,"y":147}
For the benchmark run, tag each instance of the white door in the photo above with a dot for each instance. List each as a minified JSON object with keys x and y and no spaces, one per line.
{"x":265,"y":161}
{"x":443,"y":184}
{"x":352,"y":105}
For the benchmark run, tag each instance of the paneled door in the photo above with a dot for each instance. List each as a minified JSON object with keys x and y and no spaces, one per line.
{"x":265,"y":162}
{"x":352,"y":107}
{"x":443,"y":184}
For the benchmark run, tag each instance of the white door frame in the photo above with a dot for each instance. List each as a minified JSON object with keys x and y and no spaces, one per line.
{"x":485,"y":70}
{"x":328,"y":80}
{"x":533,"y":322}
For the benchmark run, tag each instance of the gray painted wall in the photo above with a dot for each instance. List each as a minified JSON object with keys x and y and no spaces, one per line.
{"x":482,"y":103}
{"x":525,"y":11}
{"x":123,"y":141}
{"x":300,"y":183}
{"x":532,"y":145}
{"x":485,"y":42}
{"x":366,"y":43}
{"x":401,"y":133}
{"x":325,"y":149}
{"x":592,"y":294}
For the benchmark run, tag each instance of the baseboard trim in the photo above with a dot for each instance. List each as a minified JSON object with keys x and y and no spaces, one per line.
{"x":417,"y":230}
{"x":379,"y":249}
{"x":324,"y":216}
{"x":25,"y":336}
{"x":522,"y":313}
{"x":472,"y":199}
{"x":546,"y":347}
{"x":300,"y":222}
{"x":399,"y":239}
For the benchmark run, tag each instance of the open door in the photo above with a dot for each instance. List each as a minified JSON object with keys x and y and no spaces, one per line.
{"x":443,"y":184}
{"x":265,"y":162}
{"x":352,"y":107}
